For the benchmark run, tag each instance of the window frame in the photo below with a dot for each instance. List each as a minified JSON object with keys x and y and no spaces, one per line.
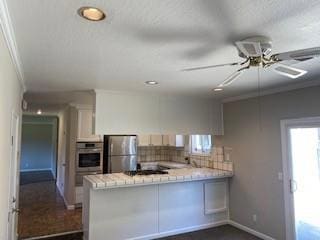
{"x":202,"y":152}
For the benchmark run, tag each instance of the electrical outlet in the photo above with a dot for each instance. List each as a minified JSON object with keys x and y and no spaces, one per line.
{"x":280,"y":176}
{"x":254,"y":217}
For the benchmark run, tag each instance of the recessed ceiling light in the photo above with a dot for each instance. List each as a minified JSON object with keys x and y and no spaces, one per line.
{"x":91,"y":13}
{"x":39,"y":112}
{"x":217,"y":89}
{"x":151,"y":82}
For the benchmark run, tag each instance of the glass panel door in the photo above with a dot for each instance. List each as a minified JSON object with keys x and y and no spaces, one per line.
{"x":305,"y":183}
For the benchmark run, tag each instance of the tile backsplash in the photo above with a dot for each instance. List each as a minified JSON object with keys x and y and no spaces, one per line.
{"x":220,"y":157}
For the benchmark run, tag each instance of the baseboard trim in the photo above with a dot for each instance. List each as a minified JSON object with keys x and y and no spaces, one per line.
{"x":68,"y":206}
{"x":36,"y":170}
{"x":180,"y":231}
{"x":53,"y":235}
{"x":250,"y":230}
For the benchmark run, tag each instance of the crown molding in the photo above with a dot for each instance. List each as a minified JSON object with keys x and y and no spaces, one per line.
{"x":305,"y":84}
{"x":7,"y":29}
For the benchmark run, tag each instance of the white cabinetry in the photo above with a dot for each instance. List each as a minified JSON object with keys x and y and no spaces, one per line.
{"x":144,"y":140}
{"x":156,"y":140}
{"x":150,"y":140}
{"x":161,"y":140}
{"x":79,"y":194}
{"x":215,"y":197}
{"x":162,"y":209}
{"x":176,"y":140}
{"x":85,"y":125}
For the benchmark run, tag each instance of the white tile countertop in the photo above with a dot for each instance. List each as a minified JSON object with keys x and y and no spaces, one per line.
{"x":115,"y":180}
{"x":167,"y":164}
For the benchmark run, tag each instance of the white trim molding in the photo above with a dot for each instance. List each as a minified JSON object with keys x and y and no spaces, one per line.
{"x":7,"y":29}
{"x":291,"y":87}
{"x":250,"y":230}
{"x":35,"y":169}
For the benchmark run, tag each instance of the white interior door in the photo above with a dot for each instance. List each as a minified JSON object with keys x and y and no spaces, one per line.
{"x":302,"y":171}
{"x":14,"y":177}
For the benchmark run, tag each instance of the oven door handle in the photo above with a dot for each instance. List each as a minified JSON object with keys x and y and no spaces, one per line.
{"x":90,"y":150}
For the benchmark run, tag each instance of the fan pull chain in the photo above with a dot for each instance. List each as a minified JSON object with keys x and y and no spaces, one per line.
{"x":259,"y":99}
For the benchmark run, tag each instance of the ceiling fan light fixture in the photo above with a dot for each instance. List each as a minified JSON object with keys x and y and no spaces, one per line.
{"x":250,"y":49}
{"x":91,"y":13}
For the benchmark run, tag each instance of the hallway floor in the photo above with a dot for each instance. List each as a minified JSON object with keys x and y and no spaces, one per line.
{"x":225,"y":232}
{"x":42,"y":211}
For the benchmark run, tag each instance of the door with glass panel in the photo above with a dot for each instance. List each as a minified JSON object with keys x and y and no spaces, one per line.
{"x":304,"y":172}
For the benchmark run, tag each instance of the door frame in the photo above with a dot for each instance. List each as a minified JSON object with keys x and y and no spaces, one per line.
{"x":286,"y":124}
{"x":14,"y":176}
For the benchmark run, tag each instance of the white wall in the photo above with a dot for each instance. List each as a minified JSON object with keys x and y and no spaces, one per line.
{"x":10,"y":100}
{"x":256,"y":144}
{"x":124,"y":113}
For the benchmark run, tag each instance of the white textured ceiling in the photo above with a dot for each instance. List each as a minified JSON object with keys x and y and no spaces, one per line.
{"x":153,"y":39}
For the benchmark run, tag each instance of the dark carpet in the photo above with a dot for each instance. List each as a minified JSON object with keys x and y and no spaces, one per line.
{"x":225,"y":232}
{"x":35,"y":177}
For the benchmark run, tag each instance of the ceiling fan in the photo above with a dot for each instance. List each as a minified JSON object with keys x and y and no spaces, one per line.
{"x":256,"y":52}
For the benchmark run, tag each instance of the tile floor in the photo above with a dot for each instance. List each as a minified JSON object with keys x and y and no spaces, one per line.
{"x":226,"y":232}
{"x":43,"y":211}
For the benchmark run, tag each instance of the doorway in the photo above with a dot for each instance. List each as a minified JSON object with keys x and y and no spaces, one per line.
{"x":302,"y":177}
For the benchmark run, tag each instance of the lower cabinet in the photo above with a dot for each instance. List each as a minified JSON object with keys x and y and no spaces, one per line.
{"x":153,"y":211}
{"x":79,"y":195}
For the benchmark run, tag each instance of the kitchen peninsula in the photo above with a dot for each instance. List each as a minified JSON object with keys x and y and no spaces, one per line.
{"x":117,"y":206}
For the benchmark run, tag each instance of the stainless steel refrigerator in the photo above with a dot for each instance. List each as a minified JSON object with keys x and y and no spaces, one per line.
{"x":120,"y":153}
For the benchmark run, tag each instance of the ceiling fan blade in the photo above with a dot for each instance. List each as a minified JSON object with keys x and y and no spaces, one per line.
{"x":212,"y":66}
{"x":290,"y":72}
{"x":299,"y":55}
{"x":249,"y":49}
{"x":233,"y":77}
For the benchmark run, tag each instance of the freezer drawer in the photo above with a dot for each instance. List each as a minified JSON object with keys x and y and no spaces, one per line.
{"x":122,"y":145}
{"x":122,"y":163}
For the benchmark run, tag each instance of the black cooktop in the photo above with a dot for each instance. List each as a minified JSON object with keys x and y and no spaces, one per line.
{"x":144,"y":172}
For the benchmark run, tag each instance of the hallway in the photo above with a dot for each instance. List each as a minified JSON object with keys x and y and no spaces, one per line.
{"x":42,"y":211}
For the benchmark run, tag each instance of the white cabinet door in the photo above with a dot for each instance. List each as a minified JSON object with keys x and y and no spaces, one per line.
{"x":165,"y":140}
{"x":176,"y":140}
{"x":215,"y":197}
{"x":144,"y":140}
{"x":172,"y":140}
{"x":156,"y":140}
{"x":85,"y":126}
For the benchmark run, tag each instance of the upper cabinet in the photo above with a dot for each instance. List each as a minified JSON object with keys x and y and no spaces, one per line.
{"x":144,"y":140}
{"x":85,"y":125}
{"x":161,"y":140}
{"x":150,"y":140}
{"x":175,"y":140}
{"x":156,"y":140}
{"x":138,"y":113}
